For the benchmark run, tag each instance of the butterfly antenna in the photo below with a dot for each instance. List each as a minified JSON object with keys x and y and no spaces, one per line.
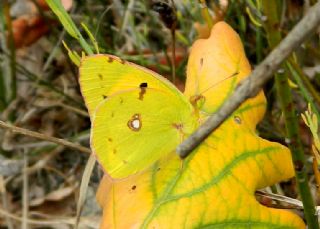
{"x":221,"y":81}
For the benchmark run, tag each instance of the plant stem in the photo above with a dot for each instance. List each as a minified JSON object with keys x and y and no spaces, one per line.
{"x":11,"y":46}
{"x":173,"y":54}
{"x":258,"y":45}
{"x":291,"y":121}
{"x":2,"y":92}
{"x":2,"y":68}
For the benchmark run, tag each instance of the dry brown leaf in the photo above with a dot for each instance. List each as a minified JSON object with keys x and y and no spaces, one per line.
{"x":56,"y":195}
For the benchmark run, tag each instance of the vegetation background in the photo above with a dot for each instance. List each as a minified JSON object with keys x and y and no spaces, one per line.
{"x":39,"y":91}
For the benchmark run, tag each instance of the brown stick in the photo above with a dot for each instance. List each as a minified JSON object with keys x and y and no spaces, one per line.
{"x":250,"y":86}
{"x":34,"y":134}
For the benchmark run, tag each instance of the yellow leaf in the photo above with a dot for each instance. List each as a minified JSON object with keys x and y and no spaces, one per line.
{"x":216,"y":65}
{"x":214,"y":187}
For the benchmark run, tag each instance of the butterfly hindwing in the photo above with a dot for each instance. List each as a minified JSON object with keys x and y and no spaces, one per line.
{"x":133,"y":129}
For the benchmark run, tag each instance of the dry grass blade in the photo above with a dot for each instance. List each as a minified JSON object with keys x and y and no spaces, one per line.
{"x":284,"y":199}
{"x":25,"y":194}
{"x":83,"y":187}
{"x":4,"y":201}
{"x":41,"y":222}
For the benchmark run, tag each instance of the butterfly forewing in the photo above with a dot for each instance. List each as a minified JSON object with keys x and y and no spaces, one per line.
{"x":104,"y":75}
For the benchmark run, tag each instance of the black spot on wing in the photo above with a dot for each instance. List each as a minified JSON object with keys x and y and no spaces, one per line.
{"x":143,"y":90}
{"x":100,"y":76}
{"x":143,"y":85}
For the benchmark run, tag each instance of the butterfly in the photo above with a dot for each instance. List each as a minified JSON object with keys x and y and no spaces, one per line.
{"x":137,"y":115}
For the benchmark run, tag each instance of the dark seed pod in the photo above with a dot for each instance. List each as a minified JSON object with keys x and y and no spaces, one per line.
{"x":167,"y":13}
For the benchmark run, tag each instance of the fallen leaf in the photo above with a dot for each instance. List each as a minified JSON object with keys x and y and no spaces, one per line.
{"x":28,"y":31}
{"x":30,"y":26}
{"x":214,"y":187}
{"x":216,"y":65}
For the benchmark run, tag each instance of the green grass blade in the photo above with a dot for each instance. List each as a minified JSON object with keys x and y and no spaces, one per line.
{"x":68,"y":24}
{"x":92,"y":39}
{"x":304,"y":91}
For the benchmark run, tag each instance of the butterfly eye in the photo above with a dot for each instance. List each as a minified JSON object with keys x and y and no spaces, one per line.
{"x":135,"y":122}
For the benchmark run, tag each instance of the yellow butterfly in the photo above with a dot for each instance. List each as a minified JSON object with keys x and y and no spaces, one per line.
{"x":137,"y":115}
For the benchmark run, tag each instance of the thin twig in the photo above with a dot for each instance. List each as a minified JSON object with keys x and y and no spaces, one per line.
{"x":72,"y":108}
{"x":37,"y":135}
{"x":250,"y":86}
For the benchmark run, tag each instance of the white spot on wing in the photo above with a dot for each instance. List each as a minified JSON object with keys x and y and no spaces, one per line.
{"x":136,"y":124}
